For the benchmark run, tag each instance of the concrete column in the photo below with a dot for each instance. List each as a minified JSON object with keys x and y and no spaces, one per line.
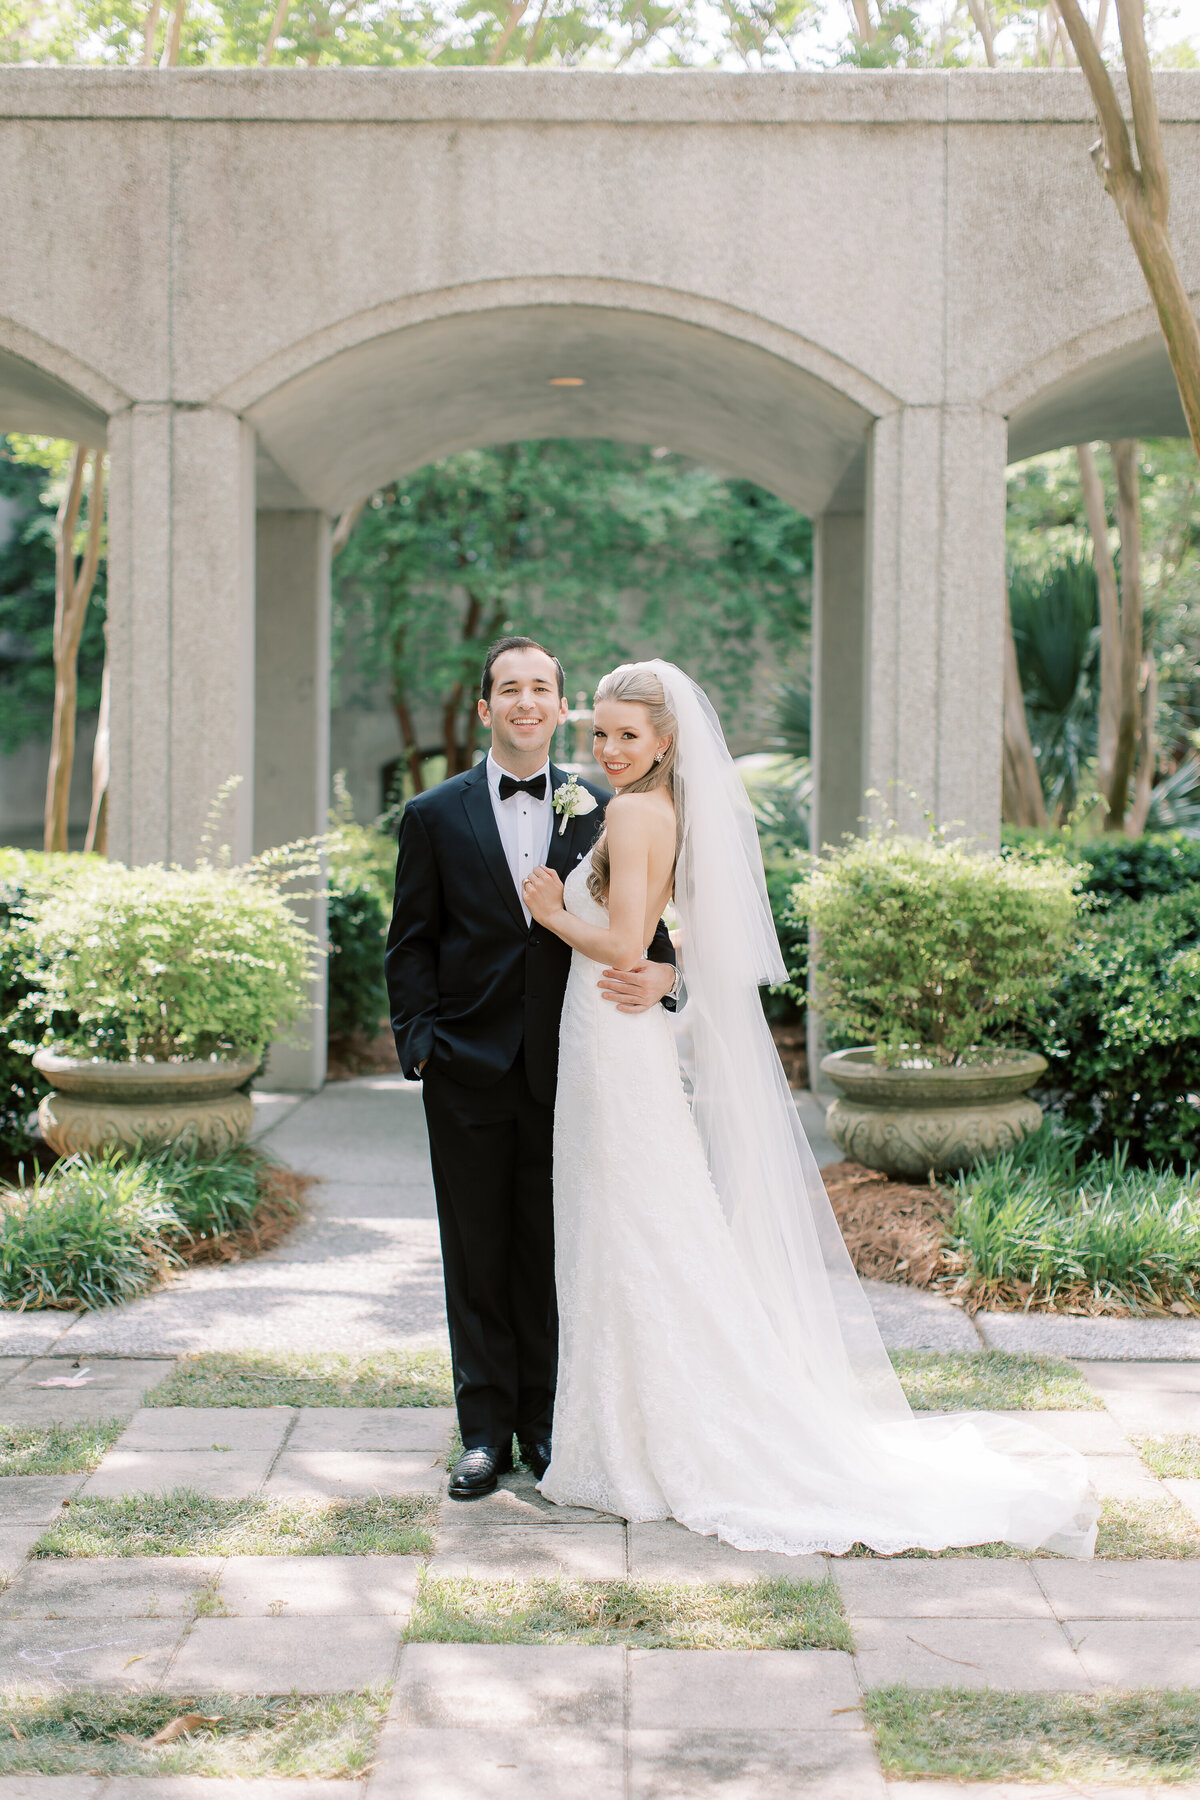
{"x":838,"y":678}
{"x":291,"y":749}
{"x":181,"y":630}
{"x":935,"y":599}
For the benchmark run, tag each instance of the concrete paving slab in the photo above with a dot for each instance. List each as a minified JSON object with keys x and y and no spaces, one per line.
{"x":10,"y":1366}
{"x":955,"y":1589}
{"x":46,"y":1655}
{"x":1092,"y":1433}
{"x":742,"y":1690}
{"x":1142,"y":1377}
{"x":1025,"y":1654}
{"x":408,"y":1195}
{"x":33,"y":1333}
{"x":749,"y":1765}
{"x":1126,"y":1653}
{"x":669,"y":1552}
{"x":1117,"y":1340}
{"x":114,"y":1388}
{"x":16,"y":1541}
{"x":213,"y":1428}
{"x":395,"y":1239}
{"x":335,"y":1304}
{"x":448,"y":1764}
{"x":1186,"y":1492}
{"x":1122,"y":1478}
{"x":108,"y":1587}
{"x":373,"y":1428}
{"x":1151,"y":1414}
{"x":510,"y":1686}
{"x":212,"y":1787}
{"x":374,"y":1125}
{"x":34,"y":1499}
{"x":227,"y":1474}
{"x":1017,"y":1790}
{"x":1120,"y":1590}
{"x":271,"y":1108}
{"x":523,"y":1552}
{"x":909,"y":1319}
{"x":346,"y":1474}
{"x":319,"y":1586}
{"x":275,"y":1656}
{"x":517,"y":1502}
{"x":51,"y":1787}
{"x":813,"y":1112}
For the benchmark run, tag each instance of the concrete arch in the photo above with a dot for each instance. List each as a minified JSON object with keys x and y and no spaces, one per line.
{"x":47,"y":391}
{"x":1114,"y":381}
{"x":388,"y":391}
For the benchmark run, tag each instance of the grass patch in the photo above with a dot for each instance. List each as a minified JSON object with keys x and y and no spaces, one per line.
{"x":992,"y":1380}
{"x":761,"y":1615}
{"x":388,"y":1378}
{"x":1147,"y":1528}
{"x":328,"y":1736}
{"x":956,"y":1735}
{"x":1177,"y":1456}
{"x":186,"y":1523}
{"x":1044,"y":1227}
{"x":56,"y":1449}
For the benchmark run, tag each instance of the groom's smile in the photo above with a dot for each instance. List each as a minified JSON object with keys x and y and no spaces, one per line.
{"x":523,"y":710}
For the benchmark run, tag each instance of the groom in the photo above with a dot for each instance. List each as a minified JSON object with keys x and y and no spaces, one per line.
{"x":476,"y":989}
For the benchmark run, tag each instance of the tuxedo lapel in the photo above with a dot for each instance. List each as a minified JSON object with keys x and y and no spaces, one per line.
{"x":567,"y":847}
{"x":478,"y":803}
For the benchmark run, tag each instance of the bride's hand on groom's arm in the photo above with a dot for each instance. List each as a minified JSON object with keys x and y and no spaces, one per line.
{"x":637,"y":989}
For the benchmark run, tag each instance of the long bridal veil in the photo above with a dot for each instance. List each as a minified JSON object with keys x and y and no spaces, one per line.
{"x":766,"y":1175}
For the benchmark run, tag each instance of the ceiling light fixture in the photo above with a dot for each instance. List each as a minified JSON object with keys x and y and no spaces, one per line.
{"x":567,"y":381}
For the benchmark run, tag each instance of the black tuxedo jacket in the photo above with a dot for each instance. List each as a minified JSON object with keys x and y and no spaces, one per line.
{"x":468,"y":981}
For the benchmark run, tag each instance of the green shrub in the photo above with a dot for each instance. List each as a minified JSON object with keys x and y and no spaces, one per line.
{"x":927,"y":949}
{"x":24,"y":878}
{"x":89,"y":1233}
{"x":789,"y":1002}
{"x":1057,"y":1226}
{"x":167,"y":962}
{"x":1121,"y":1030}
{"x":1117,"y":868}
{"x":357,"y":932}
{"x":209,"y":1196}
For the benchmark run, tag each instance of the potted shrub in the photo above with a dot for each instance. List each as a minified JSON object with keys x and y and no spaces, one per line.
{"x":933,"y":958}
{"x":159,"y":989}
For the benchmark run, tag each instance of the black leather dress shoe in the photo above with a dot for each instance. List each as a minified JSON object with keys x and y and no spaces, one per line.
{"x":477,"y":1470}
{"x":535,"y":1454}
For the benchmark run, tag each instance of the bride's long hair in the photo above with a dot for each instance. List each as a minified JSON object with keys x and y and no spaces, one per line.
{"x":637,"y":684}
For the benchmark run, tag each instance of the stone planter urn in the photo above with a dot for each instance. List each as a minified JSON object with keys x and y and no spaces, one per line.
{"x":911,"y":1120}
{"x":95,"y":1103}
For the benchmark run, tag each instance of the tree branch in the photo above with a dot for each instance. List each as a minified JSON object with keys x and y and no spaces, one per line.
{"x":1110,"y":616}
{"x":340,"y":536}
{"x":981,"y":14}
{"x":1146,"y":127}
{"x":1119,"y":170}
{"x":1129,"y":518}
{"x":151,"y":29}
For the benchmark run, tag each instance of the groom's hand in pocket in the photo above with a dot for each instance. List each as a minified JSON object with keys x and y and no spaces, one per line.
{"x":638,"y":989}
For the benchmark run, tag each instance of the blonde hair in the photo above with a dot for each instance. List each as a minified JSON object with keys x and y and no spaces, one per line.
{"x":638,"y":685}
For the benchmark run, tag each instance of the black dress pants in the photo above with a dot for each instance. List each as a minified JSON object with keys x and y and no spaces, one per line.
{"x":492,"y":1155}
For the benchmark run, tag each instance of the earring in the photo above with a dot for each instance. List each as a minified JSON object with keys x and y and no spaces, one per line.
{"x":660,"y":756}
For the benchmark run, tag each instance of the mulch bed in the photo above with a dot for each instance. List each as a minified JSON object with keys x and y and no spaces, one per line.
{"x":361,"y":1054}
{"x":279,"y":1211}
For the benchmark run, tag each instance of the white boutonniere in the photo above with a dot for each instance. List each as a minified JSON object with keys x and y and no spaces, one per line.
{"x":572,"y":802}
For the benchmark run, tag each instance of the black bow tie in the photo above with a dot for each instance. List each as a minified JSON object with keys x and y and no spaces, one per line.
{"x":536,"y":785}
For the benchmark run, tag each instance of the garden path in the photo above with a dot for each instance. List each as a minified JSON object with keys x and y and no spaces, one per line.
{"x":363,"y":1269}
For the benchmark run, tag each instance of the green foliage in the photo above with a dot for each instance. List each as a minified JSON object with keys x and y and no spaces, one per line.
{"x":316,"y":1378}
{"x":92,"y":1232}
{"x":1061,"y":1227}
{"x":1121,"y":1029}
{"x":928,"y":950}
{"x":1118,"y":868}
{"x":362,"y":863}
{"x":25,"y":876}
{"x":27,"y":540}
{"x":209,"y":1196}
{"x":168,"y":962}
{"x":1054,"y":621}
{"x":615,"y":550}
{"x":187,"y":1523}
{"x":57,"y":1449}
{"x":791,"y":1000}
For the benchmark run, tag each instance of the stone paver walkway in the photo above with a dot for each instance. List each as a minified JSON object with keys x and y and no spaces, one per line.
{"x":364,"y":1267}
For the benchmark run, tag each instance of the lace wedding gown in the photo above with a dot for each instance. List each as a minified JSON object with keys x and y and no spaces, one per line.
{"x":676,"y":1397}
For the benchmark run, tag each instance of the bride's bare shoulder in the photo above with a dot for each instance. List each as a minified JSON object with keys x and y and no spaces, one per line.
{"x":647,"y":816}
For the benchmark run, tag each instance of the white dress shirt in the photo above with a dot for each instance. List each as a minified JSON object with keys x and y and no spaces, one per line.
{"x":526,"y":826}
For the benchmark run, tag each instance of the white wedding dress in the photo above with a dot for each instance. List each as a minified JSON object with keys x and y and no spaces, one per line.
{"x":678,"y":1396}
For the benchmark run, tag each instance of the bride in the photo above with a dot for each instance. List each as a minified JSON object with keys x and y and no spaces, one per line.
{"x":719,"y":1363}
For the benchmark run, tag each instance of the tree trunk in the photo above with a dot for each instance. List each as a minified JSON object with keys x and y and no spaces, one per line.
{"x":1147,"y":760}
{"x":170,"y":55}
{"x":72,"y":591}
{"x":1141,"y":192}
{"x":981,"y":15}
{"x":408,"y":737}
{"x":97,"y":831}
{"x":1023,"y":802}
{"x":151,"y":30}
{"x":1110,"y":616}
{"x":1129,"y":519}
